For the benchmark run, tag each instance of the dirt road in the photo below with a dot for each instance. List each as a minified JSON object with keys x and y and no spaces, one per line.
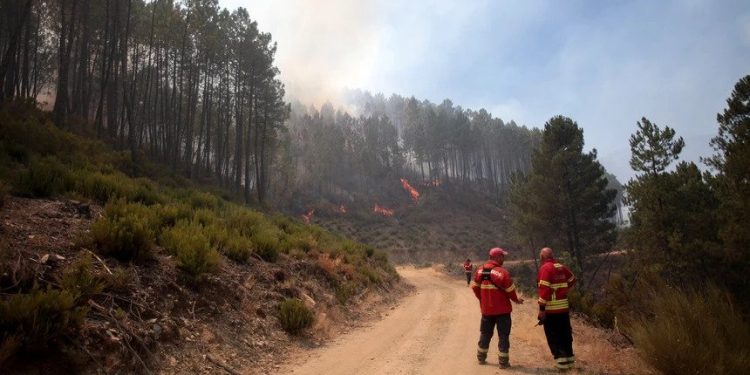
{"x":435,"y":330}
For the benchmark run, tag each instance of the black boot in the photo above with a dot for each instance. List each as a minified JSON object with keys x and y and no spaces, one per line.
{"x":482,"y":355}
{"x":503,"y":360}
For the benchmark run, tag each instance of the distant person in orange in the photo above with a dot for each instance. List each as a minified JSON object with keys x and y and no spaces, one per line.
{"x":468,"y":268}
{"x":554,"y":281}
{"x":494,"y":288}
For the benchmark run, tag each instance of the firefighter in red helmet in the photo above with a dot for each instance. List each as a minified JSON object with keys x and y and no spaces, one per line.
{"x":495,"y":290}
{"x":468,"y":270}
{"x":554,"y":282}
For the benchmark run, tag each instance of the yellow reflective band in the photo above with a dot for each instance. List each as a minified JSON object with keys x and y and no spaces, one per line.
{"x":503,"y":355}
{"x":557,"y":305}
{"x":558,"y":265}
{"x":572,"y":359}
{"x":571,"y":279}
{"x":488,"y":286}
{"x":559,"y":285}
{"x":562,"y":360}
{"x":511,"y":288}
{"x":480,"y":350}
{"x":563,"y":365}
{"x":545,"y":283}
{"x":542,"y":301}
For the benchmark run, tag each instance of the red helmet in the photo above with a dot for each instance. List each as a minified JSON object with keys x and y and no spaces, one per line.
{"x":496,"y":251}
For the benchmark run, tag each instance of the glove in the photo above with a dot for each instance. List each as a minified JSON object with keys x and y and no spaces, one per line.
{"x":542,"y":316}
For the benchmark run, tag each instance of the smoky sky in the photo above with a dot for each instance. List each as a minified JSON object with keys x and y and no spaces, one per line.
{"x":605,"y":64}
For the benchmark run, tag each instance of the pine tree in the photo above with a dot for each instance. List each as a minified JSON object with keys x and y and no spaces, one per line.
{"x":565,"y":201}
{"x":733,"y":165}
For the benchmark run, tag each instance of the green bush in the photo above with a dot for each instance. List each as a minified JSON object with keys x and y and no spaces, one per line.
{"x":246,"y":221}
{"x":169,"y":214}
{"x":693,"y":332}
{"x":204,"y":217}
{"x":43,"y":178}
{"x":204,"y":200}
{"x":266,"y":245}
{"x":300,"y":241}
{"x":345,"y":291}
{"x":101,"y":186}
{"x":125,"y":232}
{"x":294,"y":315}
{"x":235,"y":246}
{"x":193,"y":250}
{"x":79,"y":279}
{"x":32,"y":321}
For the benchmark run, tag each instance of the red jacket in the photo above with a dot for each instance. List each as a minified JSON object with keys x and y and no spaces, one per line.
{"x":554,"y":281}
{"x":467,"y":266}
{"x":494,"y":288}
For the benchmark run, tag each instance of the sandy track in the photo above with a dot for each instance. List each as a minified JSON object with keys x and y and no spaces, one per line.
{"x":434,"y":331}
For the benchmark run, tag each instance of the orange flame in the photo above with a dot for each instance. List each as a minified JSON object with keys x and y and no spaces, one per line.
{"x":378,"y":209}
{"x":308,"y":216}
{"x":341,"y":209}
{"x":412,"y":191}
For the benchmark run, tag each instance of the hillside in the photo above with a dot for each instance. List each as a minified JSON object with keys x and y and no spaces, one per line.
{"x":445,"y":224}
{"x":107,"y":267}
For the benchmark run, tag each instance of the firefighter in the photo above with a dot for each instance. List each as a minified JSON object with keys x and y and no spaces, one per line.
{"x":494,"y":288}
{"x":554,"y":281}
{"x":468,"y":268}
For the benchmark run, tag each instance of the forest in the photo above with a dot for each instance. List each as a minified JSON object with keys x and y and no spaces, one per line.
{"x":195,"y":89}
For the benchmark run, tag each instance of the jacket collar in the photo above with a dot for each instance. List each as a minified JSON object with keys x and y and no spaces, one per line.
{"x":494,"y":263}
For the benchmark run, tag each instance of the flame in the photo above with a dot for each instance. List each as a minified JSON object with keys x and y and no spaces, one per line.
{"x":378,"y":209}
{"x":341,"y":209}
{"x":308,"y":216}
{"x":412,"y":191}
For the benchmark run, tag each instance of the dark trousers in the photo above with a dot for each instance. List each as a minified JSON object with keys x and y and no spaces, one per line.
{"x":503,"y":331}
{"x":468,"y":277}
{"x":559,"y":335}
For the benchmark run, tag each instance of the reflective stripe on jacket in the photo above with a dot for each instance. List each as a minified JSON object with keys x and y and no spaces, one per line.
{"x":494,"y":288}
{"x":554,"y":281}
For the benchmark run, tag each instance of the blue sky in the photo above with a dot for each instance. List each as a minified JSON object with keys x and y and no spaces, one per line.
{"x":603,"y":63}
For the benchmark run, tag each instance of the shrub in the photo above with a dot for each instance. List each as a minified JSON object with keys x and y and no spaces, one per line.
{"x":100,"y":186}
{"x":300,"y":241}
{"x":119,"y":280}
{"x":146,"y":192}
{"x":168,"y":215}
{"x":372,"y":275}
{"x":43,"y":178}
{"x":247,"y":222}
{"x":266,"y":245}
{"x":345,"y":291}
{"x":34,"y":320}
{"x":204,"y":200}
{"x":204,"y":217}
{"x":191,"y":246}
{"x":125,"y":232}
{"x":693,"y":332}
{"x":79,"y":279}
{"x":235,"y":246}
{"x":294,"y":315}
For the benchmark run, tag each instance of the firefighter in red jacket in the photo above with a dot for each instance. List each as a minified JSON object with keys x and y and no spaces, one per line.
{"x":468,"y":268}
{"x":554,"y":281}
{"x":494,"y":288}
